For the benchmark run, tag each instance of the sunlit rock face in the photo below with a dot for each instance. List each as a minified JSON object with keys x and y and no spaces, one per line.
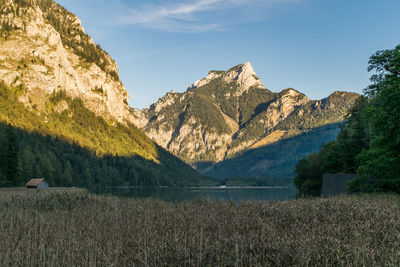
{"x":242,"y":75}
{"x":46,"y":50}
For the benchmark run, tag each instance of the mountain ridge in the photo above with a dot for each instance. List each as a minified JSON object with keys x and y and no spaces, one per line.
{"x":230,"y":111}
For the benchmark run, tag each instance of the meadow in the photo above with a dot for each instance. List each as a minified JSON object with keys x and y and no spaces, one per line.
{"x":75,"y":228}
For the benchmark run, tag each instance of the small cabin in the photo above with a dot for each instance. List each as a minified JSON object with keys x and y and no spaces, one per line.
{"x":37,"y":184}
{"x":335,"y":184}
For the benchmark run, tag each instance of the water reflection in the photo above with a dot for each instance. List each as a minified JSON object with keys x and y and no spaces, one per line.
{"x":215,"y":193}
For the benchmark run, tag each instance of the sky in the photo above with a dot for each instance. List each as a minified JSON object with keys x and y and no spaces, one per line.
{"x":314,"y":46}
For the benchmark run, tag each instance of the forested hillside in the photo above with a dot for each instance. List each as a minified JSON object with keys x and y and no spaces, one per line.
{"x":369,"y":142}
{"x":276,"y":160}
{"x":71,"y":146}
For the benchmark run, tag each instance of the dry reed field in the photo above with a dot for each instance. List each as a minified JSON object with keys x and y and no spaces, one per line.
{"x":81,"y":229}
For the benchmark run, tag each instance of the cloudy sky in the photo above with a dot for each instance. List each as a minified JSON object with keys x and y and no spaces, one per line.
{"x":314,"y":46}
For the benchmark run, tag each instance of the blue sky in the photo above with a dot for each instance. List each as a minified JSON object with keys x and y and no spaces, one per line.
{"x":314,"y":46}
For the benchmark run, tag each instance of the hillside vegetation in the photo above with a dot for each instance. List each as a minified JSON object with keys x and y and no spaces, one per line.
{"x":42,"y":229}
{"x":274,"y":160}
{"x":70,"y":146}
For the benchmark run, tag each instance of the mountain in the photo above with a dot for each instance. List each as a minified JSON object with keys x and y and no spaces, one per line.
{"x":44,"y":49}
{"x":62,"y":92}
{"x":229,"y":112}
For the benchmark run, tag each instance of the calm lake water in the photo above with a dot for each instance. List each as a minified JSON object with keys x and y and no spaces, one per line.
{"x":215,"y":193}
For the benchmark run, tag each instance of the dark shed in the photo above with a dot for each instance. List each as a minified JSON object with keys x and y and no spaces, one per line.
{"x":335,"y":184}
{"x":37,"y":184}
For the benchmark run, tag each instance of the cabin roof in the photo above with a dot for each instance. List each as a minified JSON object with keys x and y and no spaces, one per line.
{"x":34,"y":182}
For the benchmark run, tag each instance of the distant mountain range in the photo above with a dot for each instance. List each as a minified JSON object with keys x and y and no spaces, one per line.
{"x":229,"y":116}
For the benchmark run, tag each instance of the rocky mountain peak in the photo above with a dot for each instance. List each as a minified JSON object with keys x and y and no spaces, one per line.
{"x":243,"y":75}
{"x":291,"y":92}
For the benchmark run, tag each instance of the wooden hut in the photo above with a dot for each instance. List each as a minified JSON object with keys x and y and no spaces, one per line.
{"x":37,"y":184}
{"x":335,"y":184}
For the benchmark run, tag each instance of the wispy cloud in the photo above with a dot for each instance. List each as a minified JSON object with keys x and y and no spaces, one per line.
{"x":190,"y":16}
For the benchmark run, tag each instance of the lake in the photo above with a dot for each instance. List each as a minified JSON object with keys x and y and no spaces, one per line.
{"x":213,"y":193}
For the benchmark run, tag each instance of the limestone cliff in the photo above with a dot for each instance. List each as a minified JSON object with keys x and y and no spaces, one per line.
{"x":44,"y":49}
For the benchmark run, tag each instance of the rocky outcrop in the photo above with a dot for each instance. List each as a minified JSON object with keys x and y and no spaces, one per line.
{"x":242,"y":75}
{"x":44,"y":49}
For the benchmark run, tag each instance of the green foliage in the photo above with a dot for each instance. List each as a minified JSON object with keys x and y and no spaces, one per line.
{"x":308,"y":178}
{"x":369,"y":143}
{"x":78,"y":148}
{"x":382,"y":160}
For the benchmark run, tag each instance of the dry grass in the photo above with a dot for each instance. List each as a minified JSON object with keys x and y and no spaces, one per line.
{"x":80,"y":229}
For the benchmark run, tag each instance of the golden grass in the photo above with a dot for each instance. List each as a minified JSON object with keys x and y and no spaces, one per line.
{"x":80,"y":229}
